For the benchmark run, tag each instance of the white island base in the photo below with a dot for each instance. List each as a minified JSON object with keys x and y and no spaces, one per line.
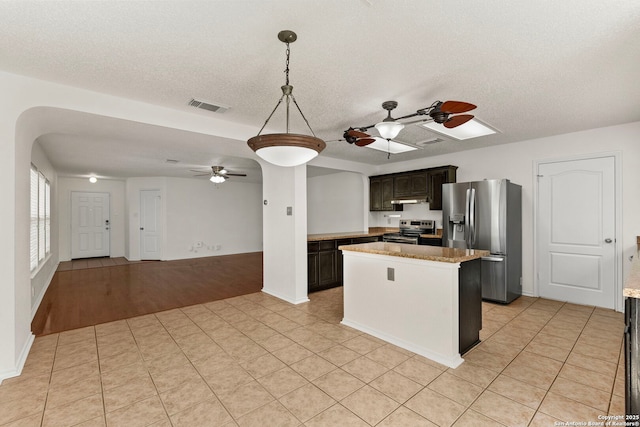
{"x":411,"y":303}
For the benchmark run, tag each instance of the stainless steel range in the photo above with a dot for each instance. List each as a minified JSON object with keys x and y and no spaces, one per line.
{"x":410,"y":230}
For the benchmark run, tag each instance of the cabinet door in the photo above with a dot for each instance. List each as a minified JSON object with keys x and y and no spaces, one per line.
{"x":387,"y":194}
{"x":402,"y":186}
{"x":328,"y":268}
{"x":418,"y":184}
{"x":436,"y":178}
{"x":375,"y":194}
{"x":312,"y":271}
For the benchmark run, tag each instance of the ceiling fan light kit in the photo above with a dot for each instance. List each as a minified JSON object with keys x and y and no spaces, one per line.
{"x":440,"y":113}
{"x":286,"y":149}
{"x":389,"y":128}
{"x":218,"y":174}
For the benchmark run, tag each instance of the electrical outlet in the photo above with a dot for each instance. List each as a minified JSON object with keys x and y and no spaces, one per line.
{"x":33,"y":292}
{"x":218,"y":247}
{"x":391,"y":274}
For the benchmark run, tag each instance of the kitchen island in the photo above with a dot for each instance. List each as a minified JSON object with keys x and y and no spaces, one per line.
{"x":425,"y":299}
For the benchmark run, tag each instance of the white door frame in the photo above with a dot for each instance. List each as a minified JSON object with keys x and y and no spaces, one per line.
{"x":617,"y":156}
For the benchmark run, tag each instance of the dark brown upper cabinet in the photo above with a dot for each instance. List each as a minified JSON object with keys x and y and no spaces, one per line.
{"x":411,"y":185}
{"x":418,"y":184}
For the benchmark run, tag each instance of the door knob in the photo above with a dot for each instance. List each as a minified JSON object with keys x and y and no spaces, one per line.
{"x":607,"y":240}
{"x":141,"y":228}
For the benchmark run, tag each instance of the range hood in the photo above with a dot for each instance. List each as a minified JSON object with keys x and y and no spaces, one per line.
{"x":410,"y":201}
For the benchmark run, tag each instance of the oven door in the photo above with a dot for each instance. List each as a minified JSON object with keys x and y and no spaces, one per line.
{"x":400,"y":239}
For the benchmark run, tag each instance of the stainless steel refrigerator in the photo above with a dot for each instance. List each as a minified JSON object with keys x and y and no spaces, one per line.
{"x":487,"y":215}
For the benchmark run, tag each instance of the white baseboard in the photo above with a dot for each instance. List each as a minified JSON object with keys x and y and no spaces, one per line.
{"x":36,"y":305}
{"x":21,"y":360}
{"x":285,"y":298}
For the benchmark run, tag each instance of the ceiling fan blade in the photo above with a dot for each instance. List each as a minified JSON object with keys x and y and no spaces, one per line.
{"x":454,"y":107}
{"x":200,"y":171}
{"x":203,"y":174}
{"x":364,"y":141}
{"x":457,"y":120}
{"x":357,"y":134}
{"x":235,"y":174}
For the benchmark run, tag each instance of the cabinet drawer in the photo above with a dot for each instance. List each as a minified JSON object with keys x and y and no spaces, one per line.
{"x":327,"y":245}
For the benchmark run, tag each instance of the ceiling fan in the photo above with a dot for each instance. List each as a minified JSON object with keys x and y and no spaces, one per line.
{"x":218,"y":174}
{"x":389,"y":128}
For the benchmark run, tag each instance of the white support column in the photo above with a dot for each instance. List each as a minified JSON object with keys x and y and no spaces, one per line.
{"x":285,"y":232}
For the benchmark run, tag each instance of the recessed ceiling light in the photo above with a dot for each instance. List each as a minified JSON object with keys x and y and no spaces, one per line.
{"x":93,"y":179}
{"x":392,"y":147}
{"x":472,"y":129}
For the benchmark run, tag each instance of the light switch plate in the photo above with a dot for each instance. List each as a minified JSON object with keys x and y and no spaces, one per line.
{"x":391,"y":274}
{"x":289,"y":210}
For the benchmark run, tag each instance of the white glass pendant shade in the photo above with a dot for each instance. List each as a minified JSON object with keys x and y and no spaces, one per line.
{"x":217,"y":179}
{"x":286,"y":156}
{"x":389,"y":130}
{"x":286,"y":149}
{"x":93,"y":179}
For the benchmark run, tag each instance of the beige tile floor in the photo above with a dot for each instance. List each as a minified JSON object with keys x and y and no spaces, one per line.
{"x":255,"y":360}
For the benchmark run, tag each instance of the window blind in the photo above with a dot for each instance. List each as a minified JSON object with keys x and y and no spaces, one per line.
{"x":41,"y":217}
{"x":47,"y":217}
{"x":34,"y":219}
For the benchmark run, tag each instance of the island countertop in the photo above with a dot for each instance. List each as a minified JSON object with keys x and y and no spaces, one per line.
{"x":428,"y":253}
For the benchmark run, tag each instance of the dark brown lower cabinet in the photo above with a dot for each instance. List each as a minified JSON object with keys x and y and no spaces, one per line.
{"x":324,"y":261}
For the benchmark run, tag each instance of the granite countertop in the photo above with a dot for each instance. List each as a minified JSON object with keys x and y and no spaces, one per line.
{"x":632,"y":284}
{"x":428,"y":253}
{"x":373,"y":231}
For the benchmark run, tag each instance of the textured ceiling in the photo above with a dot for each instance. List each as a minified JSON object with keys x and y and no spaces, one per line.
{"x":534,"y":68}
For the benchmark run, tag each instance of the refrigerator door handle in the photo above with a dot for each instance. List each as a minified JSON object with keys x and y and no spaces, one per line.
{"x":492,"y":258}
{"x":472,"y":222}
{"x":467,"y":225}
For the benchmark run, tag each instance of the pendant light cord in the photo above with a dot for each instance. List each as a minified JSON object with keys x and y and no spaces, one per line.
{"x":287,"y":91}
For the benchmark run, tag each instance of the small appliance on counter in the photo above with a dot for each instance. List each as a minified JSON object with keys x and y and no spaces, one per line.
{"x":487,"y":215}
{"x":410,"y":231}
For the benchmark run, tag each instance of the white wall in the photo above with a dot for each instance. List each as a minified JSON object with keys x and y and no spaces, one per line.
{"x":516,"y":162}
{"x":42,"y":276}
{"x":116,"y":190}
{"x":334,"y":203}
{"x":226,"y":217}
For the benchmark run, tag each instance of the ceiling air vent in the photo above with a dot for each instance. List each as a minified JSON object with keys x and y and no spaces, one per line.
{"x":208,"y":106}
{"x":429,"y":142}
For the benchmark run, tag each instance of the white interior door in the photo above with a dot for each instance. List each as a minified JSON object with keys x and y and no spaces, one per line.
{"x":150,"y":225}
{"x":576,"y":252}
{"x":89,"y":225}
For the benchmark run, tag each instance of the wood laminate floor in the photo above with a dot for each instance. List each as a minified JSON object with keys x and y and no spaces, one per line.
{"x":85,"y":296}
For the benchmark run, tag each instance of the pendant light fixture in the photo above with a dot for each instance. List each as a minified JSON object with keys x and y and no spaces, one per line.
{"x":286,"y":149}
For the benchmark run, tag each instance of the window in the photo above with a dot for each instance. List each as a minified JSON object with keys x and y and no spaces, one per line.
{"x":40,"y":227}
